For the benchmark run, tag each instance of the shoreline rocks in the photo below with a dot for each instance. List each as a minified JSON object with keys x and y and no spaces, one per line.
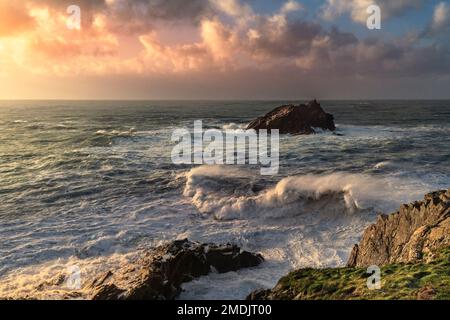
{"x":409,"y":235}
{"x":411,"y":246}
{"x":399,"y":281}
{"x":292,"y":119}
{"x":159,"y":274}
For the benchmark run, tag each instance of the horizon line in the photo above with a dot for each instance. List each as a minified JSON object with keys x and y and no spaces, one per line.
{"x":234,"y":100}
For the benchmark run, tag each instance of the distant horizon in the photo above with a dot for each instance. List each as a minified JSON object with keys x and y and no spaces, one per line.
{"x":222,"y":100}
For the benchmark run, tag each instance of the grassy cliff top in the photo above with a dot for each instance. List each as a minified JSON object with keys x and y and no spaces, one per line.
{"x":399,"y":281}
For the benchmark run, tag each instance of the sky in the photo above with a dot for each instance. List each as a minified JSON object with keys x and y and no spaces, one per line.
{"x":224,"y":49}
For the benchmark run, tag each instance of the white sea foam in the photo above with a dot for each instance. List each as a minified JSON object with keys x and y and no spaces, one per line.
{"x":50,"y":280}
{"x":300,"y":221}
{"x":116,"y":133}
{"x":233,"y":126}
{"x":227,"y":193}
{"x":108,"y":201}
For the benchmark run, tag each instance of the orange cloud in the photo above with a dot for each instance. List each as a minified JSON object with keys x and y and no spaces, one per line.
{"x":14,"y":18}
{"x":230,"y":36}
{"x":47,"y":46}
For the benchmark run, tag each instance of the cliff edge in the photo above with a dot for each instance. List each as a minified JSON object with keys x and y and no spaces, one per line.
{"x":411,"y":247}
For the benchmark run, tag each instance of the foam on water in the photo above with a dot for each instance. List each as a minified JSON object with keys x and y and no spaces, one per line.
{"x":92,"y":184}
{"x":310,"y":220}
{"x":50,"y":280}
{"x":302,"y":221}
{"x":229,"y":193}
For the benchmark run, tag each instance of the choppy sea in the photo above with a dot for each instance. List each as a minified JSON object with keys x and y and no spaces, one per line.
{"x":91,"y":183}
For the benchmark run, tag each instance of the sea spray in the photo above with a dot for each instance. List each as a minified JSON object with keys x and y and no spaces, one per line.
{"x":229,"y":193}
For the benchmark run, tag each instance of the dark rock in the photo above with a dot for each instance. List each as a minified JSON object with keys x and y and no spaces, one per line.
{"x":411,"y":234}
{"x":353,"y":256}
{"x":159,"y":274}
{"x":291,"y":119}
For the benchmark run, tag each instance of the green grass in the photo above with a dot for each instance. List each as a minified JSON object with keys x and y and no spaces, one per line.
{"x":399,"y":282}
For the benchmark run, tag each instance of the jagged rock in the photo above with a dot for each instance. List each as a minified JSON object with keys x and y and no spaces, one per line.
{"x":411,"y":234}
{"x":158,"y":275}
{"x":418,"y":234}
{"x":399,"y":281}
{"x":291,"y":119}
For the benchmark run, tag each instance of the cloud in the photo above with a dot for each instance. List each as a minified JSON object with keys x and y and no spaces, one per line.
{"x":291,"y":6}
{"x":440,"y":22}
{"x":290,"y":39}
{"x":270,"y":37}
{"x":229,"y":37}
{"x":233,"y":8}
{"x":159,"y":58}
{"x":357,"y":8}
{"x":215,"y":51}
{"x":14,"y":18}
{"x":135,"y":16}
{"x":144,"y":14}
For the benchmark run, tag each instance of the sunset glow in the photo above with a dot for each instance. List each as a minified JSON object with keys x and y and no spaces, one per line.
{"x":224,"y":154}
{"x":224,"y":49}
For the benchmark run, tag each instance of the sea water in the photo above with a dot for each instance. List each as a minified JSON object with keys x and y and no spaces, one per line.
{"x":91,"y":183}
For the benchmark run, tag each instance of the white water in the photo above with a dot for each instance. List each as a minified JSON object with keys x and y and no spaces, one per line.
{"x":299,"y":221}
{"x":94,"y":193}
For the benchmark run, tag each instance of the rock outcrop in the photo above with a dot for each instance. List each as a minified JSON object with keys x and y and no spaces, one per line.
{"x":399,"y":281}
{"x":291,"y":119}
{"x":159,"y":274}
{"x":411,"y":246}
{"x":409,"y":235}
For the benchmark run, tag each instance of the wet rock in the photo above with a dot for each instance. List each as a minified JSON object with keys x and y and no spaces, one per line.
{"x":291,"y":119}
{"x":159,"y":274}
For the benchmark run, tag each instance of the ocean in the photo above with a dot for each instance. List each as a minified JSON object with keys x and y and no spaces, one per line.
{"x":91,"y":184}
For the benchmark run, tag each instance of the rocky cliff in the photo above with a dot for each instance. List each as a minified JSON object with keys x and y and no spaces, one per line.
{"x":411,"y":247}
{"x":411,"y":234}
{"x":291,"y":119}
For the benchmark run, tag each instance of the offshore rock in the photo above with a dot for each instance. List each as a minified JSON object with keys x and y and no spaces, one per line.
{"x":291,"y":119}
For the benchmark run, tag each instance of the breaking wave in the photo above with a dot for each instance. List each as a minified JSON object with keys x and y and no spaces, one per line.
{"x":231,"y":193}
{"x":116,"y":133}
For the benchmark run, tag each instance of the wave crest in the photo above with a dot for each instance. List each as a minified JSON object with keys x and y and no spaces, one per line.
{"x":232,"y":193}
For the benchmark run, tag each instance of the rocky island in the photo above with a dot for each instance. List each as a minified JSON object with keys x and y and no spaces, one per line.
{"x":292,"y":119}
{"x":411,"y":246}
